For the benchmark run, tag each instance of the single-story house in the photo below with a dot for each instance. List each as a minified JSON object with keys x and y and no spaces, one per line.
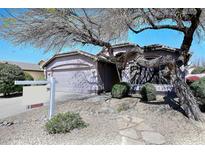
{"x":143,"y":75}
{"x":81,"y":72}
{"x":33,"y":69}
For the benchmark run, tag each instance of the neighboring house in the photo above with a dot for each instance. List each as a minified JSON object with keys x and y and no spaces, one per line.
{"x":193,"y":77}
{"x":33,"y":69}
{"x":41,"y":63}
{"x":81,"y":72}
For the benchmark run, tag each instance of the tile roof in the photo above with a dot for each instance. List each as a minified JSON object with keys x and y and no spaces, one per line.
{"x":24,"y":66}
{"x":159,"y":47}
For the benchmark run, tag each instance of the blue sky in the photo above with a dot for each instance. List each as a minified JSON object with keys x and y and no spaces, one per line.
{"x":170,"y":38}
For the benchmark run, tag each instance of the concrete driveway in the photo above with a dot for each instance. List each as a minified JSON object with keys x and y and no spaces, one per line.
{"x":15,"y":105}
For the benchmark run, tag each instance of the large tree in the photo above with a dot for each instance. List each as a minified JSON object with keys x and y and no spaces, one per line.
{"x":53,"y":29}
{"x":188,"y":21}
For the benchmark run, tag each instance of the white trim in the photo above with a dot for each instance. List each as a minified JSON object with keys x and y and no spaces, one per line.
{"x":159,"y":87}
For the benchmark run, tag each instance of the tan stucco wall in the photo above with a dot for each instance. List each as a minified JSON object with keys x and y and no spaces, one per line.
{"x":35,"y":95}
{"x":36,"y":74}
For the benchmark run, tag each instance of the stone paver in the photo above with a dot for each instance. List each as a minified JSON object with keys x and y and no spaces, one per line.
{"x":143,"y":126}
{"x":127,"y":118}
{"x":130,"y":124}
{"x":122,"y":124}
{"x":135,"y":130}
{"x":129,"y":141}
{"x":136,"y":120}
{"x":153,"y":137}
{"x":130,"y":132}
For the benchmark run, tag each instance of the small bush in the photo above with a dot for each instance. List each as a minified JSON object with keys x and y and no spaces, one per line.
{"x":198,"y":70}
{"x":148,"y":92}
{"x":64,"y":122}
{"x":120,"y":90}
{"x":8,"y":74}
{"x":123,"y":107}
{"x":198,"y":89}
{"x":28,"y":76}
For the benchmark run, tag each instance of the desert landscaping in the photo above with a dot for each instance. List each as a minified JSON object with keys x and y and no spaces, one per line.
{"x":102,"y":76}
{"x":140,"y":123}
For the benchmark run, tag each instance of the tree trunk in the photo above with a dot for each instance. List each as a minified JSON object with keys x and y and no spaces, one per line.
{"x":188,"y":36}
{"x":186,"y":99}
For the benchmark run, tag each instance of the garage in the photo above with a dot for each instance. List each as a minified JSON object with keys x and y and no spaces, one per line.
{"x":74,"y":81}
{"x":80,"y":72}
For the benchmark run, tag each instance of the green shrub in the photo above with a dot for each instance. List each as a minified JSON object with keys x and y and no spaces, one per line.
{"x":198,"y":70}
{"x":28,"y":76}
{"x":198,"y":89}
{"x":64,"y":122}
{"x":120,"y":90}
{"x":8,"y":74}
{"x":148,"y":92}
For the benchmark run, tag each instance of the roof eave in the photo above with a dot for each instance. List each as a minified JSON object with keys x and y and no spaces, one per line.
{"x":69,"y":54}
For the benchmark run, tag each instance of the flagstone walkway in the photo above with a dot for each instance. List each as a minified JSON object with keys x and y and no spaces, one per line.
{"x":134,"y":130}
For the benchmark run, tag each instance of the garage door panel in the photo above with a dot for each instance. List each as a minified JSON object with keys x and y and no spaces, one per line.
{"x":75,"y":81}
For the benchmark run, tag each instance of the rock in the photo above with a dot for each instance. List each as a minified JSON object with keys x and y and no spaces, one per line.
{"x":16,"y":122}
{"x":125,"y":121}
{"x":106,"y":110}
{"x":130,"y":132}
{"x":130,"y":124}
{"x":107,"y":100}
{"x":129,"y":141}
{"x":143,"y":126}
{"x":124,"y":103}
{"x":124,"y":124}
{"x":121,"y":123}
{"x":153,"y":137}
{"x":24,"y":121}
{"x":126,"y":117}
{"x":136,"y":120}
{"x":97,"y":98}
{"x":5,"y":123}
{"x":9,"y":123}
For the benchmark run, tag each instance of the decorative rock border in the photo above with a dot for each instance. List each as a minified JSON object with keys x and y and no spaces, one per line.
{"x":6,"y":123}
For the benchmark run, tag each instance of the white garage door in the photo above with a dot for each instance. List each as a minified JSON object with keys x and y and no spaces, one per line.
{"x":75,"y":81}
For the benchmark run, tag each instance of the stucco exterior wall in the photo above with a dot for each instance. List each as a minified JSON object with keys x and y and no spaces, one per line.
{"x":70,"y":62}
{"x":35,"y":95}
{"x":74,"y":74}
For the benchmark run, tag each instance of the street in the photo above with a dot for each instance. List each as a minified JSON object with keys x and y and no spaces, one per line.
{"x":11,"y":106}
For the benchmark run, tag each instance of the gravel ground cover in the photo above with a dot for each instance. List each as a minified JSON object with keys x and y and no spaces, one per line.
{"x":100,"y":112}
